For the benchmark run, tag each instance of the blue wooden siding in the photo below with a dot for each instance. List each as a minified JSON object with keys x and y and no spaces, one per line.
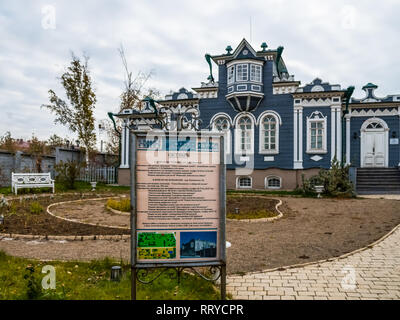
{"x":281,"y":104}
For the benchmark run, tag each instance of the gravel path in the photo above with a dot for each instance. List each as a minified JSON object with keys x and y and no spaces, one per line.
{"x":67,"y":250}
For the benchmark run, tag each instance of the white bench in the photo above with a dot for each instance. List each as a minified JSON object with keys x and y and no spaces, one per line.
{"x":31,"y":180}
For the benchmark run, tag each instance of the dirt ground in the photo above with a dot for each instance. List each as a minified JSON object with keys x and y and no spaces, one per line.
{"x":311,"y":229}
{"x":250,"y":207}
{"x":91,"y":211}
{"x":25,"y":222}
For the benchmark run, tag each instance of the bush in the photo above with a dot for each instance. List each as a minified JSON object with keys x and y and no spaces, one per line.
{"x":336,"y":181}
{"x":68,"y":172}
{"x":123,"y":205}
{"x":36,"y":207}
{"x":33,"y":285}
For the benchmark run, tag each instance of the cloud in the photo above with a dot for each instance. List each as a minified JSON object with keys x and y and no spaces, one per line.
{"x":343,"y":42}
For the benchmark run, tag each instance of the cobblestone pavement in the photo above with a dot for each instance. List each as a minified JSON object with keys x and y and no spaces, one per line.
{"x":373,"y":273}
{"x":382,"y":196}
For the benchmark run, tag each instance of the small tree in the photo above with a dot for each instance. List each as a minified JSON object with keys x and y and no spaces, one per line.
{"x":56,"y":141}
{"x":8,"y":143}
{"x":37,"y":149}
{"x":336,"y":181}
{"x":78,"y":114}
{"x":68,"y":172}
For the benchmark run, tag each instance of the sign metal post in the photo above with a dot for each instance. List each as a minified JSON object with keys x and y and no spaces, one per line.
{"x":140,"y":267}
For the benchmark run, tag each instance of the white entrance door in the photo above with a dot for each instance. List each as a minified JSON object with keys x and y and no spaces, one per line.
{"x":374,"y":149}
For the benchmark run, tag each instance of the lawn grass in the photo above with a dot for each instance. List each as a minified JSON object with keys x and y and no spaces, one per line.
{"x":91,"y":281}
{"x":256,"y":214}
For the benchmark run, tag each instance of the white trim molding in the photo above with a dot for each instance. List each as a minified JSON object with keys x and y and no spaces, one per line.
{"x":124,"y":146}
{"x":317,"y":102}
{"x":317,"y":117}
{"x":348,"y":160}
{"x":374,"y":113}
{"x":298,"y":136}
{"x":245,"y":61}
{"x":284,"y":89}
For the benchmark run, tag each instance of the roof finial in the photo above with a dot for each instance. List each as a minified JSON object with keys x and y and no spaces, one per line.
{"x":228,"y":49}
{"x":264,"y":46}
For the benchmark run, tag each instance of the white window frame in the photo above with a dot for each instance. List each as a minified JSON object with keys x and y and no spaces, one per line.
{"x":242,"y":66}
{"x":227,"y":133}
{"x":266,"y":182}
{"x":231,"y":74}
{"x":317,"y":117}
{"x":238,"y":136}
{"x":257,"y":69}
{"x":262,"y":150}
{"x":238,"y":186}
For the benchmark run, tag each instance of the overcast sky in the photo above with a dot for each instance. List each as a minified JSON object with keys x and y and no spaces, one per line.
{"x":344,"y":42}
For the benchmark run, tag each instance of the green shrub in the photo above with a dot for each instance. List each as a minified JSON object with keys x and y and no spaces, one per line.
{"x":33,"y":285}
{"x":36,"y":207}
{"x":335,"y":180}
{"x":120,"y":205}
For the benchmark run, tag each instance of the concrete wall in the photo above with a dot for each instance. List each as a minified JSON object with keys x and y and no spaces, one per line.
{"x":290,"y":178}
{"x":23,"y":162}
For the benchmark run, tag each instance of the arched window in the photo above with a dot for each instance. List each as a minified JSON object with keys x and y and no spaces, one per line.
{"x":374,"y":125}
{"x":269,"y":135}
{"x":273,"y":182}
{"x":222,"y":124}
{"x":244,"y":135}
{"x":244,"y":183}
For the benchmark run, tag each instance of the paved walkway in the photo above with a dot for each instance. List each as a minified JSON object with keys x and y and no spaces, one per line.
{"x":381,"y":196}
{"x":373,"y":273}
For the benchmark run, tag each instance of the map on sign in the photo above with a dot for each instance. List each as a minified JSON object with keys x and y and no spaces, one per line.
{"x":177,"y":199}
{"x":154,"y":245}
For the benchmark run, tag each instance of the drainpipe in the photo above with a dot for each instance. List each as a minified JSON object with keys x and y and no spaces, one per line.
{"x":347,"y":95}
{"x":111,"y":116}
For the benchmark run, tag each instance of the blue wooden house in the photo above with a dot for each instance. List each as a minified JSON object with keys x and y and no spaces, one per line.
{"x":282,"y":130}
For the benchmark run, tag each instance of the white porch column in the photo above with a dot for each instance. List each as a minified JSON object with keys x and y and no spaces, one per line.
{"x":295,"y":137}
{"x":124,"y":146}
{"x":301,"y":136}
{"x":333,"y":132}
{"x":298,"y":135}
{"x":399,"y":132}
{"x":348,"y":117}
{"x":339,"y":134}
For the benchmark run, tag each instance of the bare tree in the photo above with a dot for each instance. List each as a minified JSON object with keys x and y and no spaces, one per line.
{"x":134,"y":92}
